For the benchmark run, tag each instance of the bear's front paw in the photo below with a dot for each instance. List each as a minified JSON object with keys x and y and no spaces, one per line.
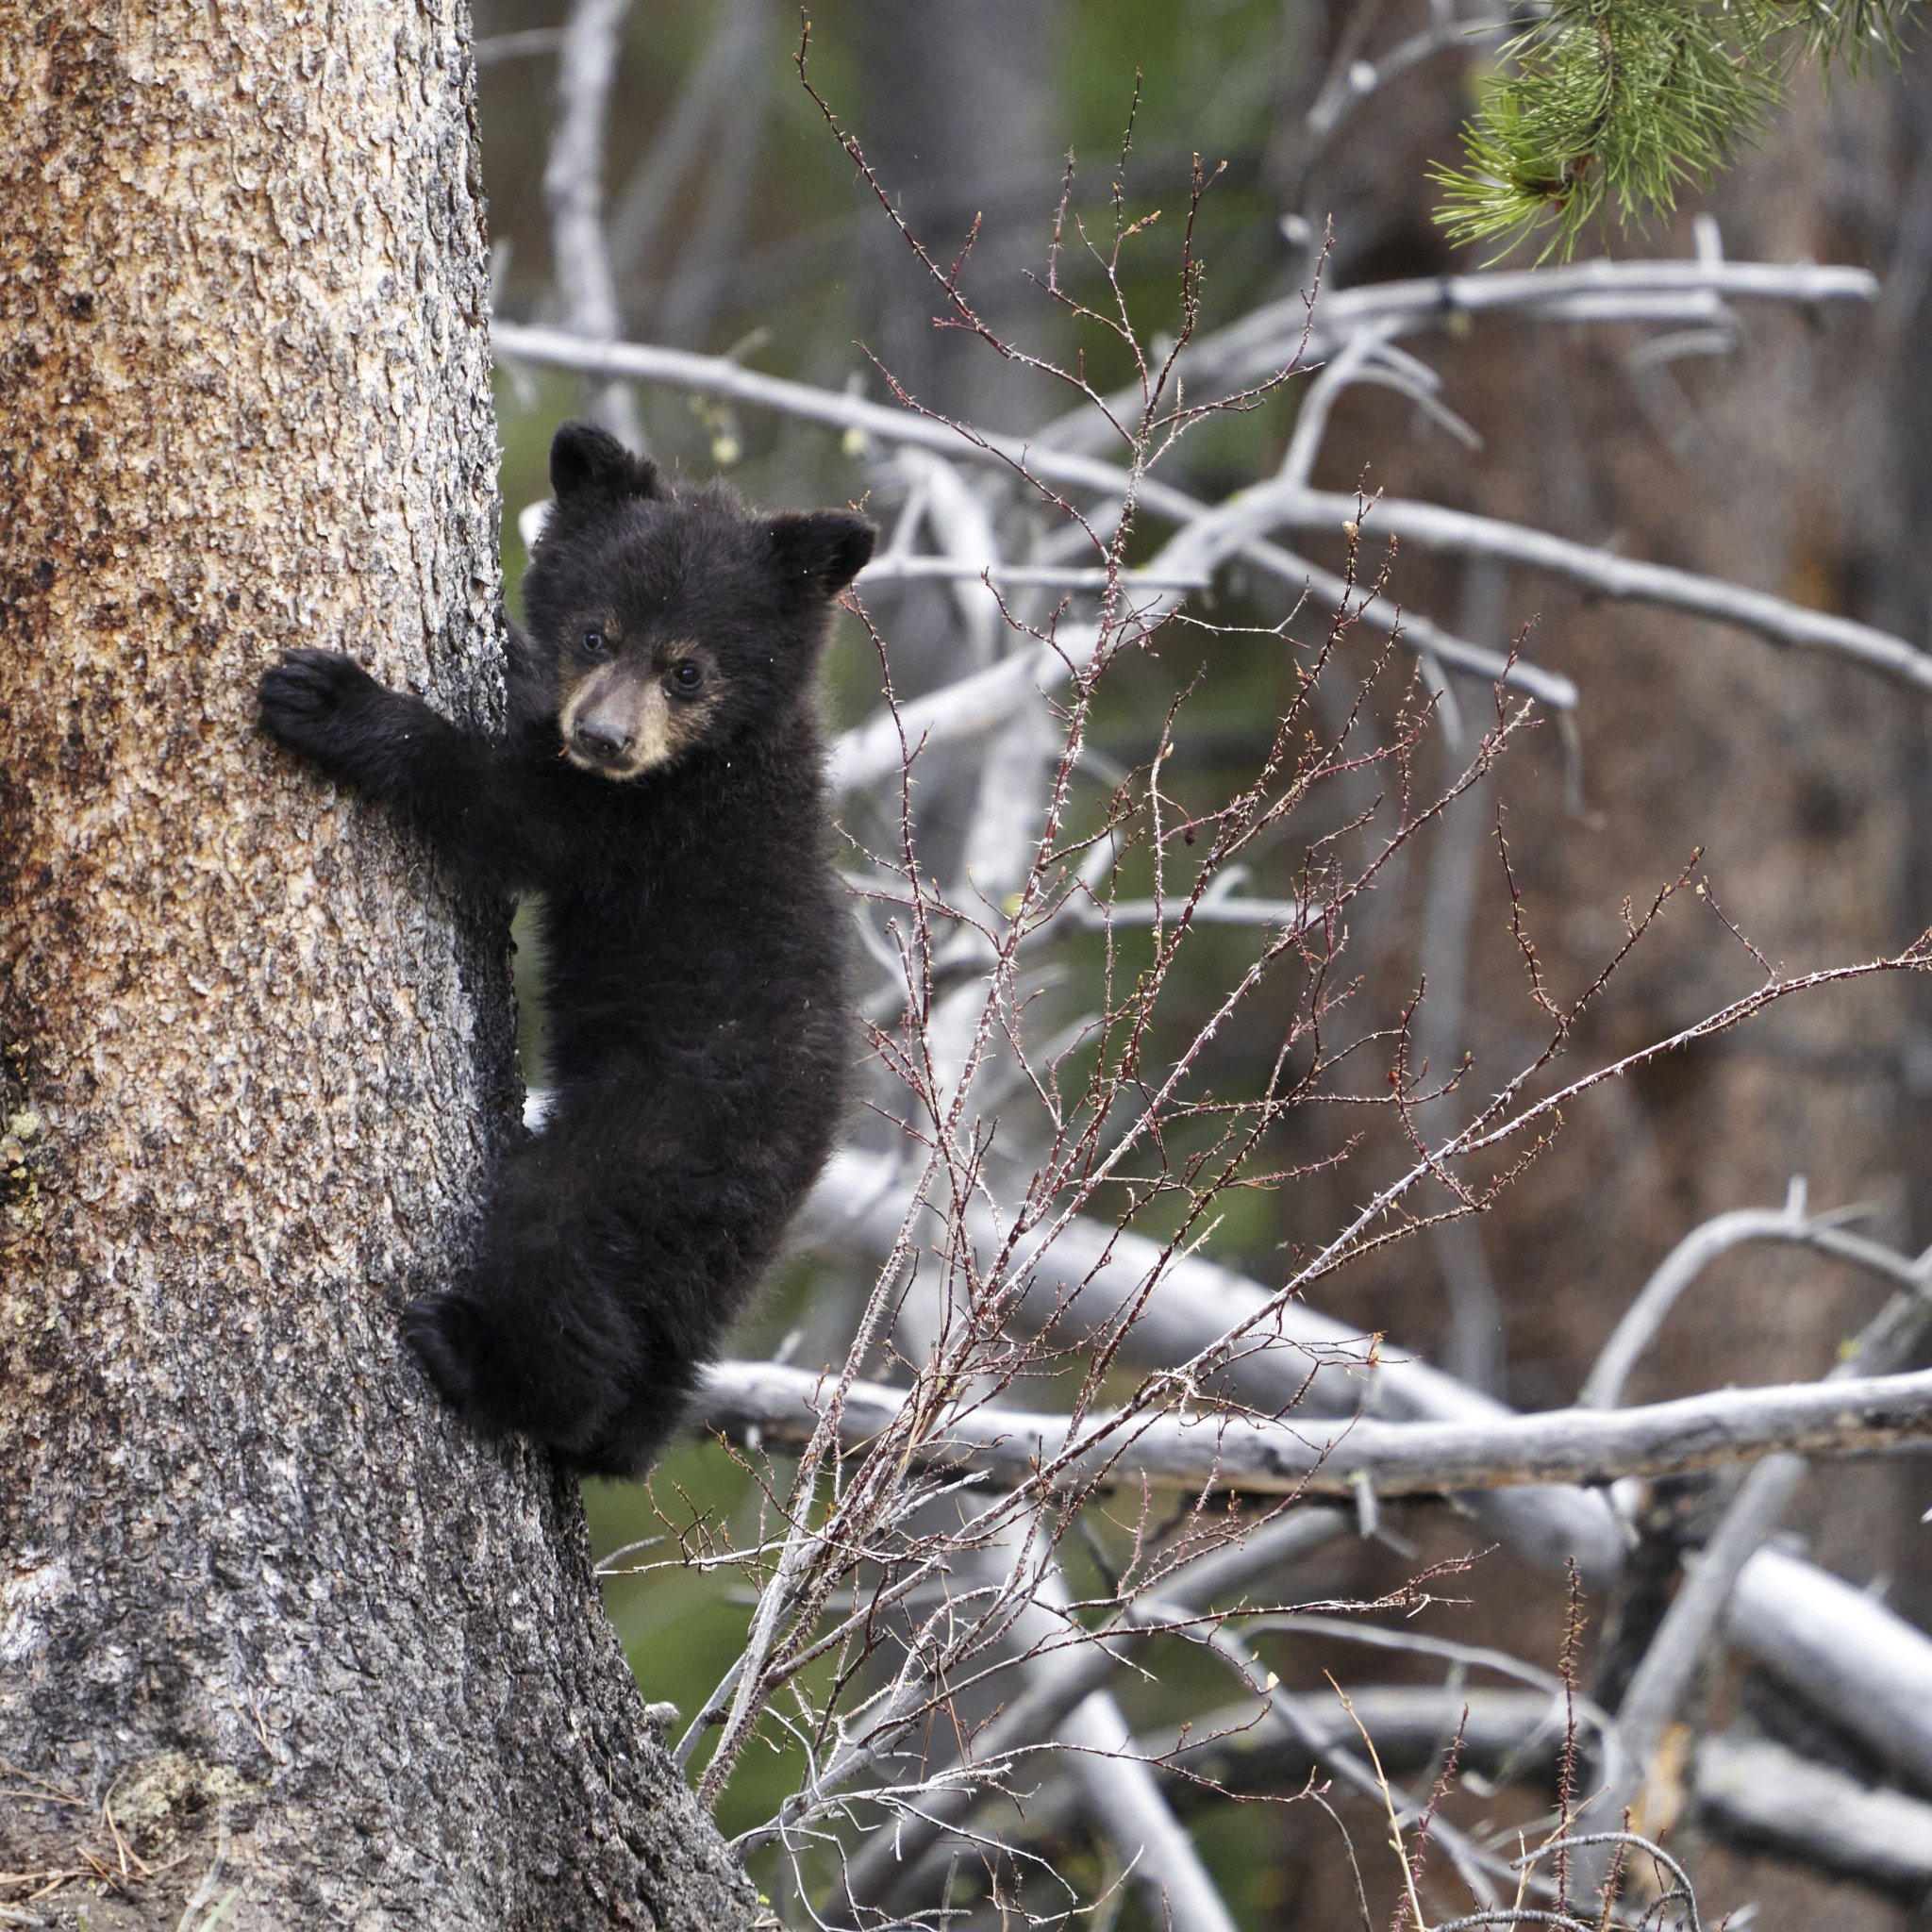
{"x":307,"y":697}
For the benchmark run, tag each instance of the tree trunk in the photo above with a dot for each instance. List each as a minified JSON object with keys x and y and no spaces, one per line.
{"x":266,"y":1607}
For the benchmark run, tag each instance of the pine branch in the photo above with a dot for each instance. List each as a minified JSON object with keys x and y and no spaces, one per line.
{"x":1607,"y":105}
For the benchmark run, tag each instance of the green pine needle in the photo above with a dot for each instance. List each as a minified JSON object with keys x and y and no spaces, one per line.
{"x":1614,"y":106}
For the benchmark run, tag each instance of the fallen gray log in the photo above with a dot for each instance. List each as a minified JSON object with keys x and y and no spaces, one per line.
{"x":1843,"y":1651}
{"x":1756,"y":1790}
{"x":1215,"y":1450}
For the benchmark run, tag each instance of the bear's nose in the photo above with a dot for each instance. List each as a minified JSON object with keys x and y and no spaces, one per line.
{"x":600,"y":741}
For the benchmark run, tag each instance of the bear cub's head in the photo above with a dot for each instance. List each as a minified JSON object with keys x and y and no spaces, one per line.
{"x":676,"y":619}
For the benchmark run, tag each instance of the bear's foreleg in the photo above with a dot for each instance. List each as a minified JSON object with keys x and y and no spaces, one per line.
{"x":453,"y":786}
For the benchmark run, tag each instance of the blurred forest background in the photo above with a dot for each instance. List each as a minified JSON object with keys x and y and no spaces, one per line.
{"x":1788,"y":449}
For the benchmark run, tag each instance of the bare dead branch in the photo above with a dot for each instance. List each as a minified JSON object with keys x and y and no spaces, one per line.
{"x":572,"y":186}
{"x":1220,"y":1451}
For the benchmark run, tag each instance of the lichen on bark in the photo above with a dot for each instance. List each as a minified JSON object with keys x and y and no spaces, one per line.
{"x":270,"y":1624}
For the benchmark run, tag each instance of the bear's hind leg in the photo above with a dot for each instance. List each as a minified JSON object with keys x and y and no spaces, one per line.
{"x":534,"y":1339}
{"x":655,"y":1407}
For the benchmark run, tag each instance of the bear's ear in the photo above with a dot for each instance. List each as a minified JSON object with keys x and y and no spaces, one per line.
{"x":821,"y":551}
{"x":589,"y":461}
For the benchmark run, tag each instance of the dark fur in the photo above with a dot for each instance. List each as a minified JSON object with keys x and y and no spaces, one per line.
{"x":693,"y":929}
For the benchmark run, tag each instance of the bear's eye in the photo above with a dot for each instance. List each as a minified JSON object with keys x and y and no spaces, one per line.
{"x":687,"y":677}
{"x":595,"y":643}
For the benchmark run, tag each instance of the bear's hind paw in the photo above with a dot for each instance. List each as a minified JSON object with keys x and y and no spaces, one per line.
{"x":441,"y":1329}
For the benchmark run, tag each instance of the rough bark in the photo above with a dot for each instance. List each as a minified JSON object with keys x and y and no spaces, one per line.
{"x":263,"y":1601}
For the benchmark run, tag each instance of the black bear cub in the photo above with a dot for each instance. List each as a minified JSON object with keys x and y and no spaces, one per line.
{"x":659,"y":784}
